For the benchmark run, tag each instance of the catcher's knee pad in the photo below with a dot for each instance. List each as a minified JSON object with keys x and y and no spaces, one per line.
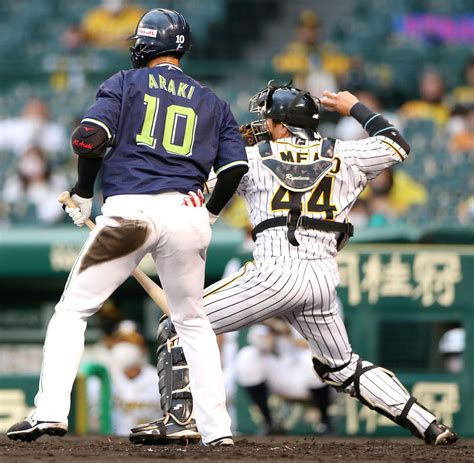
{"x":173,"y":374}
{"x":351,"y":375}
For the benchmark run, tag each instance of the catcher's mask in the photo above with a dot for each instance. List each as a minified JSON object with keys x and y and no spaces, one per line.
{"x":296,"y":109}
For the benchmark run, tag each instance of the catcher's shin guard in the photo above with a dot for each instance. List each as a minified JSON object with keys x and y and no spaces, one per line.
{"x":177,"y":424}
{"x":173,"y":375}
{"x":380,"y":390}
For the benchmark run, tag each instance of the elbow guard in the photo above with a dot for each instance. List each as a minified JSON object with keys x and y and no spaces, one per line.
{"x":89,"y":140}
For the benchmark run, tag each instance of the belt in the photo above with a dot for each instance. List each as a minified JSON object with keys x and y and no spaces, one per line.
{"x":303,"y":222}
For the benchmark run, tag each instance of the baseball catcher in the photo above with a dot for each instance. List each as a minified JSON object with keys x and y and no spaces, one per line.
{"x":299,"y":191}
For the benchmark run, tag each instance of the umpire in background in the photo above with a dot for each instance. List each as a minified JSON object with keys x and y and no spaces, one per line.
{"x":166,"y":131}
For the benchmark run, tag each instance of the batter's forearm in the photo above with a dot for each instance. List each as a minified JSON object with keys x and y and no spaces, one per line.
{"x":87,"y":170}
{"x":375,"y":125}
{"x":226,"y":185}
{"x":89,"y":142}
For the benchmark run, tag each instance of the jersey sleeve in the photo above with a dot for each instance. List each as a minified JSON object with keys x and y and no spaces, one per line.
{"x":231,"y":150}
{"x":105,"y":112}
{"x":252,"y":155}
{"x":371,"y":155}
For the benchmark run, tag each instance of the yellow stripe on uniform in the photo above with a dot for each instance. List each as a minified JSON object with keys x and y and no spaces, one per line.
{"x":394,"y":149}
{"x":243,"y":272}
{"x":297,"y":146}
{"x":231,"y":164}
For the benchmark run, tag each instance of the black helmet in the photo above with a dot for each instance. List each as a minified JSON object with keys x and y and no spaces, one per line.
{"x":159,"y":32}
{"x":293,"y":107}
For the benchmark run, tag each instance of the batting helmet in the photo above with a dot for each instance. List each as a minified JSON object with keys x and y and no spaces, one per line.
{"x":294,"y":108}
{"x":159,"y":32}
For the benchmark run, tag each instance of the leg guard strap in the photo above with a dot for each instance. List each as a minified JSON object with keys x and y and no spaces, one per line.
{"x":401,"y":419}
{"x":355,"y":378}
{"x":323,"y":370}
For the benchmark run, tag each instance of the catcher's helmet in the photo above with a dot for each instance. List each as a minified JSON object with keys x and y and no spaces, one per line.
{"x":294,"y":108}
{"x":159,"y":32}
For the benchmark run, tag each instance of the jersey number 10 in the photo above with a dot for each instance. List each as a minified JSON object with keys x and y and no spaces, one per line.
{"x":175,"y":115}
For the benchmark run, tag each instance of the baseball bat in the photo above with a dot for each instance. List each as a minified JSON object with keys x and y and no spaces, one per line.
{"x":154,"y":291}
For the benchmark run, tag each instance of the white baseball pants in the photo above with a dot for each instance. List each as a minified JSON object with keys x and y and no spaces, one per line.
{"x":177,"y":238}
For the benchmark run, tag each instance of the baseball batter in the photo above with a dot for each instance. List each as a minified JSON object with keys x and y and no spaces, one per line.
{"x":299,"y":190}
{"x":166,"y":131}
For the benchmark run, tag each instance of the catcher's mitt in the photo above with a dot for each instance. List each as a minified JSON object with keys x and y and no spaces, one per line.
{"x":247,"y":134}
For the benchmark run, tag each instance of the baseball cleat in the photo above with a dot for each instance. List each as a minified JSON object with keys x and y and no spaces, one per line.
{"x":29,"y":429}
{"x":221,"y":442}
{"x":439,"y":434}
{"x":165,"y":431}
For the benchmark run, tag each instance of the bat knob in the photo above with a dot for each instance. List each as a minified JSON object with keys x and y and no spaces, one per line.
{"x":65,"y":198}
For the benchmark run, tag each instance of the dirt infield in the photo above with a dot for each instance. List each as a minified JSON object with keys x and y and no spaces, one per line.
{"x":252,"y":449}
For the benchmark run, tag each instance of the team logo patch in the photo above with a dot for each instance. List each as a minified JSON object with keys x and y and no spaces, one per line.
{"x":144,"y":31}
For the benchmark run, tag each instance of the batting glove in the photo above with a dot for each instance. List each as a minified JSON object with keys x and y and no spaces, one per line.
{"x":194,"y":199}
{"x":82,"y":212}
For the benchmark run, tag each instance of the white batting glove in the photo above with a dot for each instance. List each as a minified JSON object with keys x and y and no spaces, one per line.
{"x":194,"y":199}
{"x":82,"y":212}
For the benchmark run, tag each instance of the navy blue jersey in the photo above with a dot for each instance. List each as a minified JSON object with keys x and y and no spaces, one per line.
{"x":168,"y":131}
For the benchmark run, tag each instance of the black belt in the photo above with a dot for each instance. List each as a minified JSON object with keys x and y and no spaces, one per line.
{"x":304,"y":222}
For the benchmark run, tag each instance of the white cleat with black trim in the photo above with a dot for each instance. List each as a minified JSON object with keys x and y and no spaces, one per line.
{"x":29,"y":429}
{"x":221,"y":442}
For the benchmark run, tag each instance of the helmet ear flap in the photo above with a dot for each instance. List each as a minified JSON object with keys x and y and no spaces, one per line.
{"x":137,"y":56}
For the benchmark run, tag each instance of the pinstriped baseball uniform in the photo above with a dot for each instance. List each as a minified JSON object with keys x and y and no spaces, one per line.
{"x":299,"y":282}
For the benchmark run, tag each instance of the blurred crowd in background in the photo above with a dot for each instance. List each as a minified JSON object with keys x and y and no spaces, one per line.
{"x":413,"y":61}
